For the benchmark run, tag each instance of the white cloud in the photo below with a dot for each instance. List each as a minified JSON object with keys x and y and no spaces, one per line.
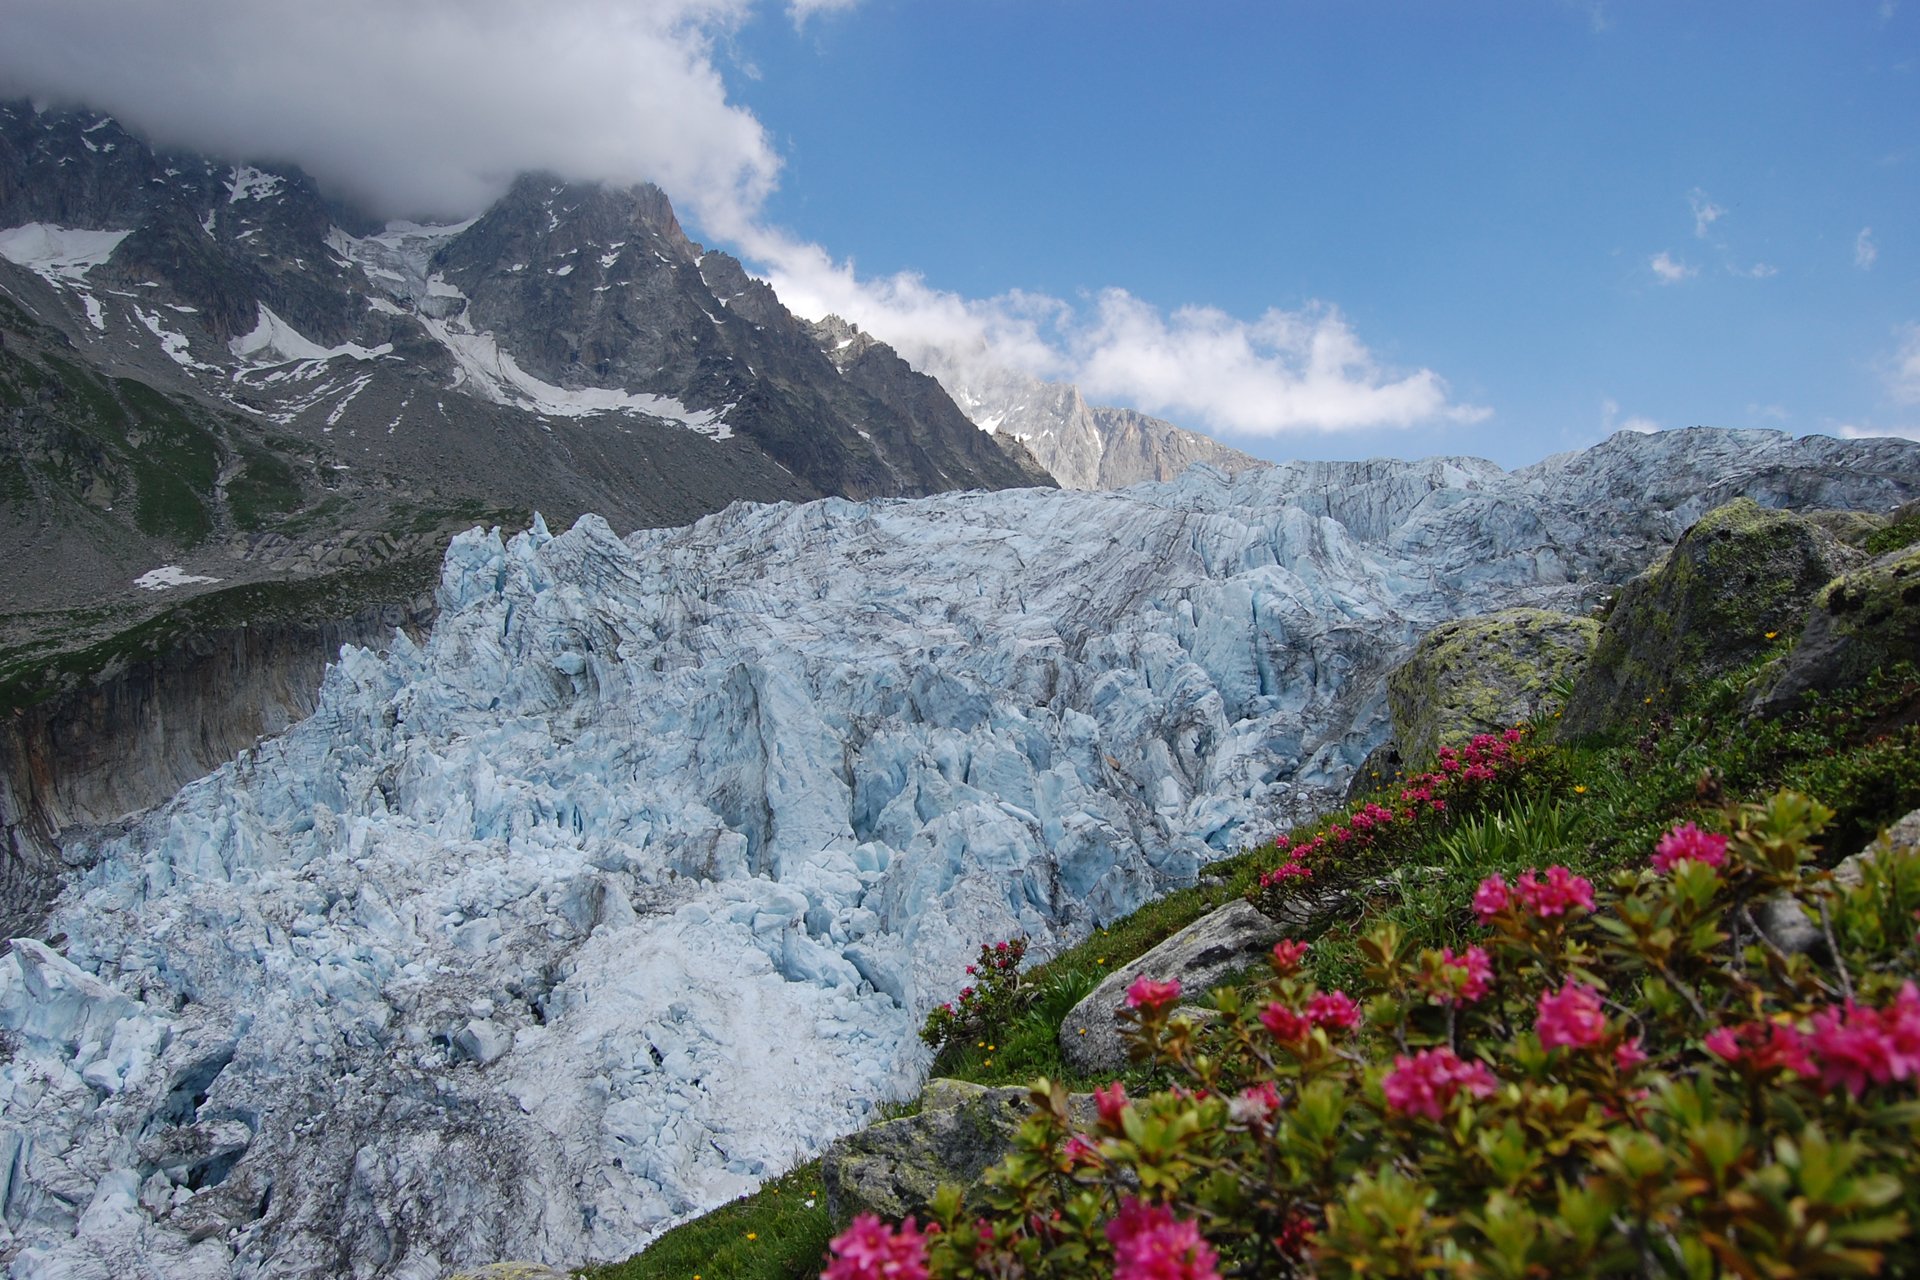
{"x":1849,"y":431}
{"x":1705,"y":212}
{"x":1902,"y":372}
{"x":423,"y":107}
{"x":801,"y":10}
{"x":1611,"y":421}
{"x":1865,"y":251}
{"x":1758,"y":271}
{"x":1670,"y":269}
{"x":1285,"y":371}
{"x":430,"y":107}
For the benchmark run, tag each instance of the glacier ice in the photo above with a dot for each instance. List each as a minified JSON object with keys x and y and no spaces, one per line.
{"x":631,"y":884}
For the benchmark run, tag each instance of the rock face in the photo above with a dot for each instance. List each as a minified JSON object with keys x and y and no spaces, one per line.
{"x":1738,"y":579}
{"x":1201,"y":956}
{"x":1857,"y":624}
{"x":504,"y":950}
{"x":1084,"y":446}
{"x":893,"y":1168}
{"x":1482,"y":675}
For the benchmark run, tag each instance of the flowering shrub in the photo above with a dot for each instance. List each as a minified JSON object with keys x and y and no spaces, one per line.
{"x":1370,"y":833}
{"x":1629,"y":1081}
{"x":987,"y":1004}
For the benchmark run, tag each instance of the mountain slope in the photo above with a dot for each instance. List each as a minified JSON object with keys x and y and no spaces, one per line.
{"x":631,"y":883}
{"x":1084,"y":446}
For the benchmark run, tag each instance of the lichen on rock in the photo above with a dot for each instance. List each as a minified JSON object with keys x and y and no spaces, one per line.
{"x":1858,"y":623}
{"x":1736,"y":581}
{"x":1481,"y":675}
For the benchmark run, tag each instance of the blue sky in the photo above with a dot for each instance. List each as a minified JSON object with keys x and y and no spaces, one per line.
{"x":1312,"y":229}
{"x":1483,"y":190}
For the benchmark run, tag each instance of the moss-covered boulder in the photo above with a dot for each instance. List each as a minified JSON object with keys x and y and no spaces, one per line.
{"x":1737,"y":580}
{"x":1858,"y":623}
{"x":893,"y":1168}
{"x":1482,"y":675}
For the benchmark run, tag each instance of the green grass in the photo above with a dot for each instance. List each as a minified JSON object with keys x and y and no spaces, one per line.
{"x":265,"y":488}
{"x":776,"y":1233}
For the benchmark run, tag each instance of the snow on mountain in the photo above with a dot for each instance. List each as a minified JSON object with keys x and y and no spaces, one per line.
{"x":632,"y":883}
{"x":62,"y":255}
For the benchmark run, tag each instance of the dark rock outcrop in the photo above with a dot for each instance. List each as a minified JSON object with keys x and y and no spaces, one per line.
{"x":893,"y":1169}
{"x":1206,"y":953}
{"x":1482,"y":675}
{"x":1737,"y":580}
{"x":1859,"y":623}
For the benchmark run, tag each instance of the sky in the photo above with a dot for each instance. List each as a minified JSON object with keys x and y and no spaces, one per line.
{"x":1309,"y":229}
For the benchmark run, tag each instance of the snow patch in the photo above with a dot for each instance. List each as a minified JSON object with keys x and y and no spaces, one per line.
{"x":63,"y":255}
{"x":274,"y":341}
{"x":488,"y":371}
{"x":168,"y":576}
{"x":249,"y":183}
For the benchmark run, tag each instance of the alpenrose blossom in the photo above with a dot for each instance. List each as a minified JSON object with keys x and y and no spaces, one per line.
{"x":1287,"y":955}
{"x":1112,"y":1102}
{"x":1491,"y":898}
{"x":1423,"y":1085}
{"x":1688,"y":843}
{"x":1855,"y":1047}
{"x":871,"y":1250}
{"x":1286,"y":1026}
{"x":1571,"y":1017}
{"x":1334,"y":1009}
{"x":1149,"y":1243}
{"x":1761,"y":1046}
{"x":1557,"y":893}
{"x":1147,"y":994}
{"x":1469,"y":975}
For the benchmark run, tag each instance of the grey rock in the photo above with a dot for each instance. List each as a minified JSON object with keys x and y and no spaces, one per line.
{"x":1205,"y":953}
{"x":1482,"y":675}
{"x":1084,"y":446}
{"x":894,"y":1168}
{"x":1857,"y":624}
{"x":1794,"y":930}
{"x":1740,"y":573}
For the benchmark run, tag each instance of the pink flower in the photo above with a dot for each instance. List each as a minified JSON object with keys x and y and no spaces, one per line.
{"x":1333,"y":1009}
{"x":1688,"y":843}
{"x":1149,"y":1244}
{"x":1287,"y":1026}
{"x":1491,"y":898}
{"x":1423,"y":1085}
{"x":1510,"y":736}
{"x":1571,"y":1017}
{"x":1152,"y":996}
{"x":1469,"y":974}
{"x":1554,"y":895}
{"x":1761,"y":1046}
{"x":1112,"y":1103}
{"x":871,"y":1250}
{"x":1287,"y":955}
{"x":1855,"y":1047}
{"x":1080,"y":1152}
{"x":1628,"y":1054}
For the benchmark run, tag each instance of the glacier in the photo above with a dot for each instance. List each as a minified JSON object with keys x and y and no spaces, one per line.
{"x":631,"y":883}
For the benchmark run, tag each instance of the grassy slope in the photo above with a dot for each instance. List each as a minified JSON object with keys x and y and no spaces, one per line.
{"x":1593,"y":805}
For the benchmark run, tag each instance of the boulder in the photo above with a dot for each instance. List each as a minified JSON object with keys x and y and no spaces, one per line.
{"x":511,"y":1271}
{"x":1735,"y":580}
{"x":1482,"y":675}
{"x":893,"y":1168}
{"x":1206,"y":953}
{"x":1857,"y":624}
{"x":1791,"y":928}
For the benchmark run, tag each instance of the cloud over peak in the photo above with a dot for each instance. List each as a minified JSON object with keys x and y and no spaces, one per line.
{"x":427,"y":107}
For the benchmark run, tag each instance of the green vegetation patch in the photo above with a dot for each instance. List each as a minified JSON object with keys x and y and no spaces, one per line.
{"x":778,"y":1232}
